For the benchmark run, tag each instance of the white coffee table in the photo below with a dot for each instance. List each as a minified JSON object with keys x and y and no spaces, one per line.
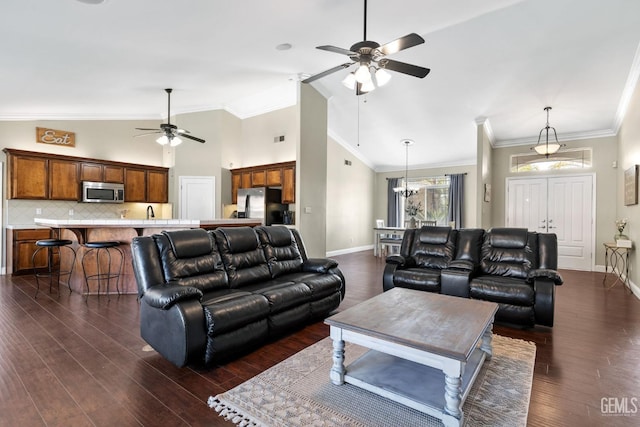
{"x":426,"y":348}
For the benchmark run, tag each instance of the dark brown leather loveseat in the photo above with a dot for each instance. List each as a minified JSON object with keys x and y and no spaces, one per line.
{"x":512,"y":267}
{"x":206,"y":296}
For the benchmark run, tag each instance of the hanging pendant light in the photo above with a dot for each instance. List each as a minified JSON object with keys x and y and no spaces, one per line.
{"x":546,"y":148}
{"x":406,"y":192}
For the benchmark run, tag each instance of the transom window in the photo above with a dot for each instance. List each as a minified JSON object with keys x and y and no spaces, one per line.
{"x":580,"y":158}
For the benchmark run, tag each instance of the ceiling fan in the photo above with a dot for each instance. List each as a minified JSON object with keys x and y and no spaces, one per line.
{"x":170,"y":133}
{"x":373,"y":62}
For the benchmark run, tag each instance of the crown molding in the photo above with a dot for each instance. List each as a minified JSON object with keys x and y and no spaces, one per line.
{"x":350,"y":149}
{"x":486,"y":124}
{"x":17,"y":117}
{"x":627,"y":92}
{"x":463,"y":162}
{"x":604,"y":133}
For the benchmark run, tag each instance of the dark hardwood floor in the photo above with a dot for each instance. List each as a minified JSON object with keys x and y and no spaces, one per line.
{"x":67,"y":363}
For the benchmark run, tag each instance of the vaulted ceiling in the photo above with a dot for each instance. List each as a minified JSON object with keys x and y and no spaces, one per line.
{"x":497,"y":60}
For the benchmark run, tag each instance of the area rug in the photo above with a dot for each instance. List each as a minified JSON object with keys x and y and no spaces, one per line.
{"x":298,"y":392}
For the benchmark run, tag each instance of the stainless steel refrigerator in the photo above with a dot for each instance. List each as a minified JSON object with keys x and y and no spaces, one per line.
{"x":262,"y":203}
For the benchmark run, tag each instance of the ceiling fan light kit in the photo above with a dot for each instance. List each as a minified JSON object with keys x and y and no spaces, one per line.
{"x":547,"y":148}
{"x":372,"y":61}
{"x":170,"y":133}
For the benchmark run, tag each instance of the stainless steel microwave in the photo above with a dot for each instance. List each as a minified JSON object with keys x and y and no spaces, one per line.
{"x":102,"y":192}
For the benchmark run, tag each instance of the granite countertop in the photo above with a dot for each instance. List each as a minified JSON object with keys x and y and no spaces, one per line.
{"x":137,"y":223}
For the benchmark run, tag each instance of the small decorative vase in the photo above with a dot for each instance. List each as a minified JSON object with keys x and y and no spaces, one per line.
{"x":412,"y":223}
{"x":620,"y":236}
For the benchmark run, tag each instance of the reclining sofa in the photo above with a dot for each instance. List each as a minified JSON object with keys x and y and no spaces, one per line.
{"x":207,"y":296}
{"x":512,"y":267}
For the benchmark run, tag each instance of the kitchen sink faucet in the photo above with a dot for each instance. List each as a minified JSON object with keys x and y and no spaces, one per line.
{"x":150,"y":213}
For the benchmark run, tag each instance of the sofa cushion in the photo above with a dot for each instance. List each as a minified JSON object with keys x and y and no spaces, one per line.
{"x":242,"y":256}
{"x":282,"y":296}
{"x":234,"y":310}
{"x":502,"y":289}
{"x":508,"y":237}
{"x":509,"y":261}
{"x":190,"y":243}
{"x":320,"y":285}
{"x":280,"y":250}
{"x":205,"y":271}
{"x":422,"y":279}
{"x":434,"y":235}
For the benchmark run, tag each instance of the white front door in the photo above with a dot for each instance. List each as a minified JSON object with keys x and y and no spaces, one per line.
{"x":562,"y":205}
{"x":197,"y":197}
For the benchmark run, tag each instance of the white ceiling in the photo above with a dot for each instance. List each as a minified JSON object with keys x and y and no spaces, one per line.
{"x":503,"y":60}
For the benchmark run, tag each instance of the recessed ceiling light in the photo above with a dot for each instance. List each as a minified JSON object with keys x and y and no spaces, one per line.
{"x":283,"y":46}
{"x":92,"y":1}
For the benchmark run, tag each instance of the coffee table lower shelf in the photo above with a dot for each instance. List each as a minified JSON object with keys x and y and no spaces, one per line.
{"x":412,"y":384}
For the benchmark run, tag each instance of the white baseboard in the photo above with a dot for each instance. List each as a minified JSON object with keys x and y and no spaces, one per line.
{"x":349,"y":250}
{"x":632,"y":286}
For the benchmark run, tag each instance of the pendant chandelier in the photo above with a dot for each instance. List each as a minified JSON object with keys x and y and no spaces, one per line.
{"x":406,"y":192}
{"x":546,"y":148}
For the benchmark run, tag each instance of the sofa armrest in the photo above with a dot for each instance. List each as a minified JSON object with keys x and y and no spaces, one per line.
{"x":544,"y":273}
{"x":544,"y":301}
{"x":165,"y":296}
{"x":319,"y":265}
{"x":455,"y":282}
{"x":396,"y":259}
{"x":387,"y":276}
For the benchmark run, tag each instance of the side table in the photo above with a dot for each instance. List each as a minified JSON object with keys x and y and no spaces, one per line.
{"x":618,"y":258}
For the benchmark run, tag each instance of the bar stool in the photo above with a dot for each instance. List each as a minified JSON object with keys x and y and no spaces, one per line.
{"x":52,"y":246}
{"x":105,"y":249}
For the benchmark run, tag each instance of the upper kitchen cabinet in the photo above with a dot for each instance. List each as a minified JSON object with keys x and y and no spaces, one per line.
{"x":157,"y":186}
{"x":281,"y":175}
{"x":46,"y":176}
{"x":64,"y":180}
{"x":99,"y":172}
{"x":28,"y":177}
{"x":146,"y":185}
{"x":135,"y":185}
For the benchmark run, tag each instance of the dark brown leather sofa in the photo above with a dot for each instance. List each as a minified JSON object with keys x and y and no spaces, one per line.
{"x":207,"y":296}
{"x":512,"y":267}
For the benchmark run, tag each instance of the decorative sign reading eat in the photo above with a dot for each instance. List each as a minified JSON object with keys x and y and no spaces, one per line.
{"x":56,"y":137}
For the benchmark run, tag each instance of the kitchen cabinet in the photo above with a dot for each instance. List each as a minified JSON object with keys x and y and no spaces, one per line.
{"x":27,"y":177}
{"x":135,"y":185}
{"x":289,"y":184}
{"x":101,"y":172}
{"x":157,"y":186}
{"x":64,"y":180}
{"x":45,"y":176}
{"x":236,"y":181}
{"x":274,"y":177}
{"x":258,"y":178}
{"x":22,"y":245}
{"x":282,"y":175}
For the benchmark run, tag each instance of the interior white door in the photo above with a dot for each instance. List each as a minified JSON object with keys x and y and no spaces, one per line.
{"x":570,"y":217}
{"x":527,"y":204}
{"x":197,"y":197}
{"x":562,"y":205}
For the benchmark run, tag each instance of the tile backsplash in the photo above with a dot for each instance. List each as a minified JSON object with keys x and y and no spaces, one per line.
{"x":23,"y":212}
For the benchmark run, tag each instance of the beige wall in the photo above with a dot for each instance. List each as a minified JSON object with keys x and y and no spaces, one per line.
{"x":311,"y":171}
{"x":483,"y":174}
{"x":628,"y":156}
{"x":100,"y":139}
{"x":604,"y":153}
{"x":350,"y":200}
{"x":470,"y":186}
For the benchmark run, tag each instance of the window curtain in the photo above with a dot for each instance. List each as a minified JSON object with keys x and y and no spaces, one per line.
{"x":393,"y":203}
{"x":456,"y":194}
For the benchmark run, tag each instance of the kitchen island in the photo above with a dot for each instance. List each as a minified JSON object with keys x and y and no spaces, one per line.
{"x":123,"y":231}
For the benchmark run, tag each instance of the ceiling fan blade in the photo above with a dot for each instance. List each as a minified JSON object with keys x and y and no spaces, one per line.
{"x":402,"y":43}
{"x":147,"y":133}
{"x":191,"y":137}
{"x":403,"y":67}
{"x":337,"y":50}
{"x":156,"y":129}
{"x":327,"y":72}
